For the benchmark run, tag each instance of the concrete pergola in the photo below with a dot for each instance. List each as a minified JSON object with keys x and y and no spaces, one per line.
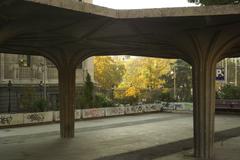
{"x":67,"y":32}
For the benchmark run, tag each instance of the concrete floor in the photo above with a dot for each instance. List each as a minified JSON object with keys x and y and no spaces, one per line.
{"x":162,"y":136}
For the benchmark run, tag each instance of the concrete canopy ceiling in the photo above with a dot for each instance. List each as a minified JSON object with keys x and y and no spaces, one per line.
{"x":45,"y":27}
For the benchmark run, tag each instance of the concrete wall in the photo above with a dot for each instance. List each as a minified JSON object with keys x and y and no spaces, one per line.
{"x":53,"y":116}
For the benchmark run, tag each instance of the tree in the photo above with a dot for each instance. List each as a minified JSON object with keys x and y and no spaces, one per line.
{"x":183,"y":79}
{"x":86,"y":99}
{"x":143,"y":76}
{"x":88,"y":88}
{"x":108,"y":71}
{"x":131,"y":95}
{"x":215,"y":2}
{"x":145,"y":73}
{"x":132,"y":92}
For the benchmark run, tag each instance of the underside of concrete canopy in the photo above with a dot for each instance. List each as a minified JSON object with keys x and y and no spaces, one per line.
{"x":68,"y":32}
{"x":55,"y":27}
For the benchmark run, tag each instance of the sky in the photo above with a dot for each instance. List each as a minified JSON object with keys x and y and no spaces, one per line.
{"x":139,"y":4}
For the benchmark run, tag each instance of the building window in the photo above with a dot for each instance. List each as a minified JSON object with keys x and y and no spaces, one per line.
{"x":50,"y":64}
{"x":24,"y":60}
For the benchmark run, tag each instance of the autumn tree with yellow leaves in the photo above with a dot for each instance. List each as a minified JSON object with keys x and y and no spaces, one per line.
{"x":130,"y":76}
{"x":142,"y":74}
{"x":145,"y":73}
{"x":108,"y":71}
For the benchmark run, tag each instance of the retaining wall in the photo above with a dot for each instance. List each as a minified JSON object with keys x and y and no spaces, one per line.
{"x":54,"y":116}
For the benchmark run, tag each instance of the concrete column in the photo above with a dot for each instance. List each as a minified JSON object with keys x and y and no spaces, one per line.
{"x":2,"y":66}
{"x":204,"y":108}
{"x":67,"y":93}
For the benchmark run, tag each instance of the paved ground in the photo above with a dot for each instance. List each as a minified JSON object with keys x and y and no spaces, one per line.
{"x":163,"y":136}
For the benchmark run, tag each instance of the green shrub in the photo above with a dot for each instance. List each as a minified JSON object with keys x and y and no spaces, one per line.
{"x":166,"y":97}
{"x":27,"y":98}
{"x":85,"y":99}
{"x":102,"y":101}
{"x":229,"y":92}
{"x":40,"y":105}
{"x":88,"y":91}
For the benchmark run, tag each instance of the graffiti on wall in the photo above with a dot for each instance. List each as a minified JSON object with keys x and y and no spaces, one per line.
{"x":56,"y":116}
{"x":77,"y":114}
{"x":6,"y":119}
{"x":134,"y":109}
{"x":36,"y":117}
{"x":89,"y":113}
{"x":152,"y":108}
{"x":114,"y":111}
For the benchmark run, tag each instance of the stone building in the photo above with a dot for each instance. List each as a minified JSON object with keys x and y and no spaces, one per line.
{"x":36,"y":72}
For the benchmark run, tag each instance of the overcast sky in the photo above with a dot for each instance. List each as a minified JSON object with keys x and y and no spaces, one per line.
{"x":138,"y":4}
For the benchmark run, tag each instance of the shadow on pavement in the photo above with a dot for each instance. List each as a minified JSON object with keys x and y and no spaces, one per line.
{"x":170,"y":148}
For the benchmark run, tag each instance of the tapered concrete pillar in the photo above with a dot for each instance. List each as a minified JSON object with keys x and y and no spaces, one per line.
{"x":204,"y":108}
{"x":67,"y":93}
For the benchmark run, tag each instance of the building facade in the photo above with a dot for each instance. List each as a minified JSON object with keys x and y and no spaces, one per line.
{"x":17,"y":72}
{"x":36,"y":72}
{"x":87,"y":1}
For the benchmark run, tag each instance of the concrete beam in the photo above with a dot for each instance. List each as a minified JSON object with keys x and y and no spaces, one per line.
{"x":142,"y":13}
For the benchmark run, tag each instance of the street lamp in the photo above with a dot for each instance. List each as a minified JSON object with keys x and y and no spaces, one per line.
{"x":173,"y":73}
{"x":9,"y":96}
{"x":112,"y":89}
{"x":41,"y":88}
{"x":44,"y":76}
